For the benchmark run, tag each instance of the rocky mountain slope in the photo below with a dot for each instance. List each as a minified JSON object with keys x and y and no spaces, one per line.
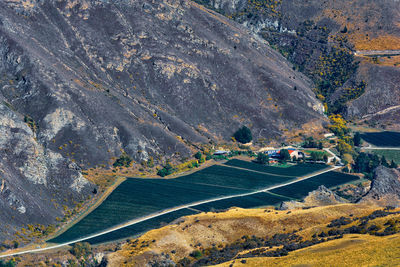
{"x":385,"y":188}
{"x":320,"y":38}
{"x":83,"y":81}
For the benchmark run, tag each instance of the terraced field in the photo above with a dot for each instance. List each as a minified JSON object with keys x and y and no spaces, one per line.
{"x":383,"y":139}
{"x":136,"y":198}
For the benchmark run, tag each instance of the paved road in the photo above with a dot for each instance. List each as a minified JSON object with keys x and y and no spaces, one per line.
{"x":339,"y":160}
{"x":154,"y":215}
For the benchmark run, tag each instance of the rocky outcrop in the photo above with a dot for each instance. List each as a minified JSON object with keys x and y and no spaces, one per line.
{"x":34,"y":181}
{"x":385,"y":188}
{"x":319,"y":197}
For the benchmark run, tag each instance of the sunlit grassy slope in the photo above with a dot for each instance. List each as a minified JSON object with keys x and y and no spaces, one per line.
{"x":352,"y":250}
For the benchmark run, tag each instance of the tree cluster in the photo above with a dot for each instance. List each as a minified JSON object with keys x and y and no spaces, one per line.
{"x":262,"y":158}
{"x":366,"y":163}
{"x":310,"y":142}
{"x":123,"y":161}
{"x":166,"y":170}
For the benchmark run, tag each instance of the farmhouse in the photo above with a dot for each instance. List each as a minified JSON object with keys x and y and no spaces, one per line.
{"x":296,"y":153}
{"x":272,"y":152}
{"x":275,"y":153}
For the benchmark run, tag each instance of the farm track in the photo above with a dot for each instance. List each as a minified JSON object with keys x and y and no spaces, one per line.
{"x":371,"y":53}
{"x":167,"y":211}
{"x":380,"y":148}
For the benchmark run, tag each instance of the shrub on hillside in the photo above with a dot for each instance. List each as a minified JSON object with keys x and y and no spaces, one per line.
{"x":167,"y":170}
{"x":123,"y":161}
{"x":81,"y":249}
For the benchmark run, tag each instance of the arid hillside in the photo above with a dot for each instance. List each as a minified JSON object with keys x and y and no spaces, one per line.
{"x":321,"y":38}
{"x":241,"y":235}
{"x":81,"y":82}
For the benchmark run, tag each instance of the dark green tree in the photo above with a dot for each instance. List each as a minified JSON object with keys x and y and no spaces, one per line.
{"x":310,"y":142}
{"x":375,"y":162}
{"x":285,"y":154}
{"x":357,"y":139}
{"x":198,"y":155}
{"x":243,"y":135}
{"x":325,"y":158}
{"x":362,"y":163}
{"x":384,"y":162}
{"x":123,"y":161}
{"x":167,"y":170}
{"x":314,"y":155}
{"x":393,"y":164}
{"x":320,"y":146}
{"x":262,"y":158}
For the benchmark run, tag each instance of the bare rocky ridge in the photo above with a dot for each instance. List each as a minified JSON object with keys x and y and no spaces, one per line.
{"x":385,"y":188}
{"x":81,"y":81}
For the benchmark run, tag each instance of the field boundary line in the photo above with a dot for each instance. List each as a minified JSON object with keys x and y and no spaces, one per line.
{"x":167,"y":211}
{"x":260,"y":172}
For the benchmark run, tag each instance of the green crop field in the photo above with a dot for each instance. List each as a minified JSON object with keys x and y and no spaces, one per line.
{"x":385,"y":139}
{"x":142,"y":227}
{"x":295,"y":171}
{"x":389,"y":154}
{"x":301,"y":189}
{"x":250,"y":201}
{"x":136,"y":198}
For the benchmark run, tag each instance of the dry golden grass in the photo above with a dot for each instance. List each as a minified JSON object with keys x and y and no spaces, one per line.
{"x":389,"y":61}
{"x":383,"y":42}
{"x":352,"y":250}
{"x":227,"y":227}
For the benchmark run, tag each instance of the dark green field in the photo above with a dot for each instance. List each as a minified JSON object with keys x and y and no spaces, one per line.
{"x":251,"y":201}
{"x":301,"y":189}
{"x":137,"y":198}
{"x":294,"y":171}
{"x":385,"y":139}
{"x":141,"y":227}
{"x":389,"y":154}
